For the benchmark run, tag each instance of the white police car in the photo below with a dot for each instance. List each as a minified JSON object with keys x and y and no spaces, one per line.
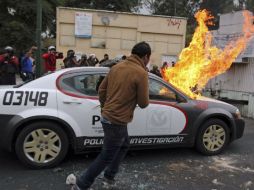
{"x":43,"y":119}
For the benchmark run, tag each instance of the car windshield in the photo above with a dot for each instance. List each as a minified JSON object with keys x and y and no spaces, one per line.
{"x":179,"y":90}
{"x":174,"y":87}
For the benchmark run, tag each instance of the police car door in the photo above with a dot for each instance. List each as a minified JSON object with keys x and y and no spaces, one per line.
{"x":78,"y":103}
{"x":164,"y":116}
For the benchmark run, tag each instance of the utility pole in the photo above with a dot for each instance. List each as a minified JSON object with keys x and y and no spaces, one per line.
{"x":38,"y":39}
{"x":175,"y":8}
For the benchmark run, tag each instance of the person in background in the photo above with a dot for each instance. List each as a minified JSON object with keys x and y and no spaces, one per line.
{"x":70,"y":60}
{"x":125,"y":87}
{"x":173,"y":63}
{"x":83,"y":61}
{"x":155,"y":71}
{"x":92,"y":60}
{"x":27,"y":65}
{"x":9,"y":65}
{"x":106,"y":57}
{"x":50,"y":59}
{"x":164,"y":65}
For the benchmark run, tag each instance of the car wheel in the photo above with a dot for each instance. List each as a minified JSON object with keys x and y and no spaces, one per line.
{"x":42,"y":145}
{"x":213,"y":137}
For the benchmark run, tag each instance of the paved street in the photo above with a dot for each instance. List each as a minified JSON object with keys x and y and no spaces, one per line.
{"x":182,"y":169}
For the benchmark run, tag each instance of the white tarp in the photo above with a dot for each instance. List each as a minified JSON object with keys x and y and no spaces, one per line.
{"x":230,"y":29}
{"x":169,"y":59}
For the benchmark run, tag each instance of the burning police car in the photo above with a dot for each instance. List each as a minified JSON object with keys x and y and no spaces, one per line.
{"x":43,"y":119}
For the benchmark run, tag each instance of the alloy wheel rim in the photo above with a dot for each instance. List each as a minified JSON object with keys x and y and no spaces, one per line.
{"x":214,"y":138}
{"x":42,"y":145}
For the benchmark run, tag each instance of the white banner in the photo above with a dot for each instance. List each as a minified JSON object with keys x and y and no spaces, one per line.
{"x":169,"y":59}
{"x":83,"y":25}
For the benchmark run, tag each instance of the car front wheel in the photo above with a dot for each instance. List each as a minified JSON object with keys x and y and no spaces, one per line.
{"x":213,"y":137}
{"x":42,"y":145}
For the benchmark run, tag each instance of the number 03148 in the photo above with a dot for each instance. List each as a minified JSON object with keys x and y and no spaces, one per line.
{"x":17,"y":98}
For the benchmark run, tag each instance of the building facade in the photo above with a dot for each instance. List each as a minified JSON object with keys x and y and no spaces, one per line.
{"x":115,"y":33}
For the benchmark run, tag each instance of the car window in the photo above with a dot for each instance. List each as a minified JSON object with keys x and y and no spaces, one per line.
{"x":87,"y":84}
{"x":159,"y":91}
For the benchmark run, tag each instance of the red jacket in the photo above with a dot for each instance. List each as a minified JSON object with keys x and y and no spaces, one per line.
{"x":50,"y":61}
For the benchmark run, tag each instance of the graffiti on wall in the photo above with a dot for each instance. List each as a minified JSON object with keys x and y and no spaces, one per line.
{"x":174,"y":22}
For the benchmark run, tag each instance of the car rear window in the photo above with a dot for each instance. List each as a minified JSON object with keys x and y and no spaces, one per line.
{"x":85,"y":84}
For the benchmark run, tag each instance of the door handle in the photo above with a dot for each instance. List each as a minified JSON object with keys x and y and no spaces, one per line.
{"x":71,"y":102}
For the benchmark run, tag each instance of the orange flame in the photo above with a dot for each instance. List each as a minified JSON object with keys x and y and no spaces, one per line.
{"x":201,"y":61}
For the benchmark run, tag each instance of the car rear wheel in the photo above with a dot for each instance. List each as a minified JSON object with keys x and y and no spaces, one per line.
{"x":42,"y":145}
{"x":213,"y":137}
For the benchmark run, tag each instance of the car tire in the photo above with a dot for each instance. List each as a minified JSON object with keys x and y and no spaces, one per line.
{"x":42,"y":145}
{"x":213,"y":137}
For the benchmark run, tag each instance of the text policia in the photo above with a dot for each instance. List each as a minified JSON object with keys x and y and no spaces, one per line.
{"x":139,"y":140}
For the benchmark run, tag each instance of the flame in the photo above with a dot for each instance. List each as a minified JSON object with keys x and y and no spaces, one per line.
{"x":202,"y":61}
{"x":163,"y":91}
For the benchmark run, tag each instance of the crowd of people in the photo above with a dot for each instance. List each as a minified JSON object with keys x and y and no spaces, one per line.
{"x":24,"y":65}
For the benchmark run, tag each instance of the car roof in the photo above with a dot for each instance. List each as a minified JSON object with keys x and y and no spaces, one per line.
{"x":42,"y":82}
{"x":87,"y":69}
{"x":82,"y":69}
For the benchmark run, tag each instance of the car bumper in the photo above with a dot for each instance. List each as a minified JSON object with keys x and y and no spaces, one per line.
{"x":7,"y":130}
{"x":240,"y":124}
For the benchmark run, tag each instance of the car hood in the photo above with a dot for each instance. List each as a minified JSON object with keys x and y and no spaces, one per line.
{"x":211,"y":100}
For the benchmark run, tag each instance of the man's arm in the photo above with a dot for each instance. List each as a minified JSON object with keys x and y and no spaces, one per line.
{"x":101,"y":61}
{"x":103,"y":91}
{"x":75,"y":61}
{"x":143,"y":91}
{"x":59,"y":55}
{"x":30,"y":52}
{"x":96,"y":60}
{"x":15,"y":63}
{"x":15,"y":60}
{"x":45,"y":56}
{"x":3,"y":57}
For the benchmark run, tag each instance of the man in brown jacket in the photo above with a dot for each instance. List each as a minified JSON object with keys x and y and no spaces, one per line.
{"x":125,"y":86}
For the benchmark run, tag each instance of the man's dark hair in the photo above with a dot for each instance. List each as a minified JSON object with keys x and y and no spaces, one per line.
{"x":124,"y":57}
{"x":141,"y":49}
{"x":70,"y":53}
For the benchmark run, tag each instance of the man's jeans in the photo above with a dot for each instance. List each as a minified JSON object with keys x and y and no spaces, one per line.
{"x":115,"y":147}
